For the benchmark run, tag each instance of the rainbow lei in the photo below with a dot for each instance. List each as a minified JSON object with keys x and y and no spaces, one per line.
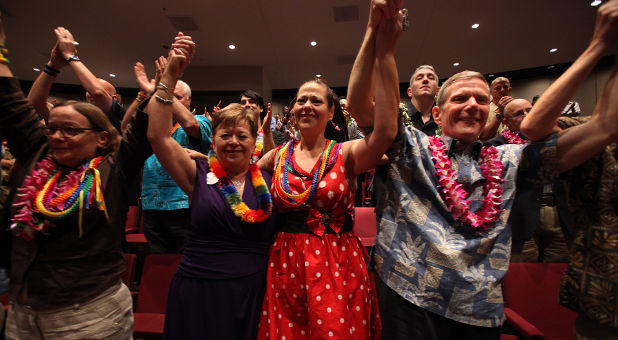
{"x":285,"y":164}
{"x":37,"y":203}
{"x":455,"y":196}
{"x":512,"y":137}
{"x":239,"y":207}
{"x":259,"y":145}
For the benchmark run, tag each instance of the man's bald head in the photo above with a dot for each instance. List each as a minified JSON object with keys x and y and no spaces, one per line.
{"x":107,"y":86}
{"x":500,"y":87}
{"x":515,"y":112}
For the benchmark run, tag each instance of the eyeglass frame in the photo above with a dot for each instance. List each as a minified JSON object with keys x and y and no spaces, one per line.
{"x":50,"y":130}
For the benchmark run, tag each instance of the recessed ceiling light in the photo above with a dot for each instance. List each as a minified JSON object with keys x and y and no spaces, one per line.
{"x":112,"y":75}
{"x":36,"y":69}
{"x":491,"y":75}
{"x":232,"y":47}
{"x":595,"y":3}
{"x":318,"y":76}
{"x":553,"y":50}
{"x":475,"y":26}
{"x":313,"y":43}
{"x":455,"y":64}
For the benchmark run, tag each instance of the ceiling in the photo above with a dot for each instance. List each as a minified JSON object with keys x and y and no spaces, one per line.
{"x":274,"y":35}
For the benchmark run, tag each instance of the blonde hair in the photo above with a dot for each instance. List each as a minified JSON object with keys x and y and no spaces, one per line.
{"x":231,"y":115}
{"x":443,"y":93}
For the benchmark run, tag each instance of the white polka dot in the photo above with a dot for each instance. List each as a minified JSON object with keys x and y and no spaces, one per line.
{"x":306,"y":241}
{"x":319,"y":322}
{"x":340,"y":152}
{"x":294,"y":192}
{"x":362,"y":287}
{"x":333,"y":175}
{"x":302,"y":286}
{"x":274,"y":244}
{"x":285,"y":244}
{"x":272,"y":264}
{"x":318,"y":274}
{"x":296,"y":178}
{"x":292,"y":254}
{"x":318,"y":298}
{"x":350,"y":296}
{"x":306,"y":263}
{"x":343,"y":248}
{"x":341,"y":187}
{"x":294,"y":296}
{"x":282,"y":337}
{"x":317,"y":252}
{"x":267,"y":334}
{"x":290,"y":325}
{"x":354,"y":253}
{"x":302,"y":332}
{"x":279,"y":316}
{"x":327,"y":286}
{"x":285,"y":265}
{"x":326,"y":263}
{"x":342,"y":169}
{"x":330,"y":333}
{"x":341,"y":320}
{"x":364,"y":322}
{"x":339,"y":297}
{"x":358,"y":308}
{"x":322,"y":184}
{"x":331,"y":194}
{"x":292,"y":276}
{"x":328,"y":309}
{"x":264,"y":312}
{"x":345,"y":283}
{"x":337,"y":273}
{"x":353,"y":275}
{"x":276,"y":295}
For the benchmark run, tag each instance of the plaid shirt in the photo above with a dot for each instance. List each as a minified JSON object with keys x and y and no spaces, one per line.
{"x":428,"y":257}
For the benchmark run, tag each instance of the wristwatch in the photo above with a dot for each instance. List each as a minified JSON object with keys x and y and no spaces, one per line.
{"x":73,"y":58}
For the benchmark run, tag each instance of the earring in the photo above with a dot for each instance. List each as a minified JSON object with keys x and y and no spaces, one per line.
{"x":335,"y":126}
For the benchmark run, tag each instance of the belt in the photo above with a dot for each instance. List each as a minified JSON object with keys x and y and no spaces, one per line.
{"x":296,"y":223}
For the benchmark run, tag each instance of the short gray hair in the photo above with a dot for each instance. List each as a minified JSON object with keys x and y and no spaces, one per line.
{"x":442,"y":94}
{"x":187,"y":88}
{"x":429,"y":67}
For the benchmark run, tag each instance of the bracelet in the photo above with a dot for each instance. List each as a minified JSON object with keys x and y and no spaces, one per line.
{"x":163,"y":100}
{"x":3,"y":53}
{"x":73,"y":58}
{"x":141,"y":96}
{"x":51,"y":71}
{"x":164,"y":87}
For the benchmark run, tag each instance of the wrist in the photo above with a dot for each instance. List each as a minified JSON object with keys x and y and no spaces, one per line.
{"x":71,"y":58}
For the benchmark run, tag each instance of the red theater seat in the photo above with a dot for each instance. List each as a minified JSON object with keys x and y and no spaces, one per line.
{"x":365,"y":225}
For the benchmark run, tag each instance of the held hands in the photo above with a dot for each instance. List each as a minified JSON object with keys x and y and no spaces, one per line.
{"x":383,"y":9}
{"x":179,"y":57}
{"x":389,"y":27}
{"x":606,"y":26}
{"x":66,"y":43}
{"x":56,"y":60}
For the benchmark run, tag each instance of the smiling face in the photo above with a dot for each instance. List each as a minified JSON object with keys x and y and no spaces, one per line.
{"x":464,"y":111}
{"x":71,"y":151}
{"x":234,"y":144}
{"x":311,"y":108}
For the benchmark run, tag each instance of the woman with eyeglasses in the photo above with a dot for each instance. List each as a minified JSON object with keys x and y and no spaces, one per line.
{"x":65,"y":223}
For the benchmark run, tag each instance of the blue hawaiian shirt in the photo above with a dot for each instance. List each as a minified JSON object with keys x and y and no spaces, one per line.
{"x":159,"y":191}
{"x":428,"y":257}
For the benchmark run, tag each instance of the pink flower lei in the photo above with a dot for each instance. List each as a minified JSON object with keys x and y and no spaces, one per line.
{"x":26,"y":222}
{"x":512,"y":137}
{"x":455,"y":196}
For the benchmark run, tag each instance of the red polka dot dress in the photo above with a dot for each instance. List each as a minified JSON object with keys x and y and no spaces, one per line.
{"x":317,"y":285}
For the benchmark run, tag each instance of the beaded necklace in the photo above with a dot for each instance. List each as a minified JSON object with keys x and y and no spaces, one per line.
{"x":37,"y":202}
{"x":232,"y":196}
{"x":285,"y":164}
{"x":455,"y":196}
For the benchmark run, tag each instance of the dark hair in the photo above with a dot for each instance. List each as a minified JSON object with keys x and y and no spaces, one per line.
{"x":258,"y":98}
{"x":231,"y":115}
{"x":339,"y":120}
{"x":99,"y":121}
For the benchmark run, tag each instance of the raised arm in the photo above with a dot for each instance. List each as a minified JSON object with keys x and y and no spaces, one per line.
{"x":541,"y":121}
{"x":269,"y":142}
{"x":365,"y":153}
{"x":89,"y":81}
{"x":362,"y":78}
{"x":39,"y":92}
{"x":169,"y":153}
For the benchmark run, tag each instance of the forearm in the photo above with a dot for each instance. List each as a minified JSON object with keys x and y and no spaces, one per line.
{"x":268,"y":142}
{"x":361,"y":82}
{"x":386,"y":101}
{"x":39,"y":92}
{"x":91,"y":84}
{"x":185,"y":118}
{"x":128,"y":115}
{"x":490,"y":129}
{"x":541,"y":120}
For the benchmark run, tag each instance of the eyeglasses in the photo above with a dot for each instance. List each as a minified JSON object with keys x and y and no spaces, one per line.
{"x":520,"y":113}
{"x":67,"y":131}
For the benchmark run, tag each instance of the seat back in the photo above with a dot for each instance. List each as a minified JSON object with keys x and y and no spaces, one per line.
{"x":129,"y":270}
{"x":365,"y":225}
{"x":155,"y":282}
{"x":531,"y":289}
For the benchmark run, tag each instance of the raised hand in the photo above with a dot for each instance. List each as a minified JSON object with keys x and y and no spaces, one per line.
{"x":179,"y":56}
{"x":66,"y":42}
{"x":383,"y":9}
{"x":145,"y":85}
{"x":389,"y":29}
{"x":56,"y":60}
{"x":606,"y":26}
{"x":268,"y":118}
{"x":160,"y":67}
{"x":503,"y":102}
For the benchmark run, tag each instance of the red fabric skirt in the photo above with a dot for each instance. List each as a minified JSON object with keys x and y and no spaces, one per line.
{"x":319,"y":288}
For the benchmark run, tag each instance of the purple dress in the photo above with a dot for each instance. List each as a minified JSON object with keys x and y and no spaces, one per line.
{"x":219,"y":285}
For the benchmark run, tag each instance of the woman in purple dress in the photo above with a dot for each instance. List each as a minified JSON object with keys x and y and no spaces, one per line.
{"x":219,"y":285}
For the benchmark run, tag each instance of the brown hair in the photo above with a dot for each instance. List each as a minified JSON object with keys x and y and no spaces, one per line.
{"x":231,"y":115}
{"x":340,"y":135}
{"x":99,"y":121}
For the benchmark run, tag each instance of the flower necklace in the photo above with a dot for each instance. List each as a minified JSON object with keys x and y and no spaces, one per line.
{"x":259,"y":145}
{"x":232,"y":196}
{"x":403,"y":108}
{"x":284,"y":163}
{"x":37,"y":202}
{"x":512,"y":137}
{"x":455,"y":196}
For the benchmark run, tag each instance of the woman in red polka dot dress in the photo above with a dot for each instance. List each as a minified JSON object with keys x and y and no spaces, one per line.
{"x":318,"y":286}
